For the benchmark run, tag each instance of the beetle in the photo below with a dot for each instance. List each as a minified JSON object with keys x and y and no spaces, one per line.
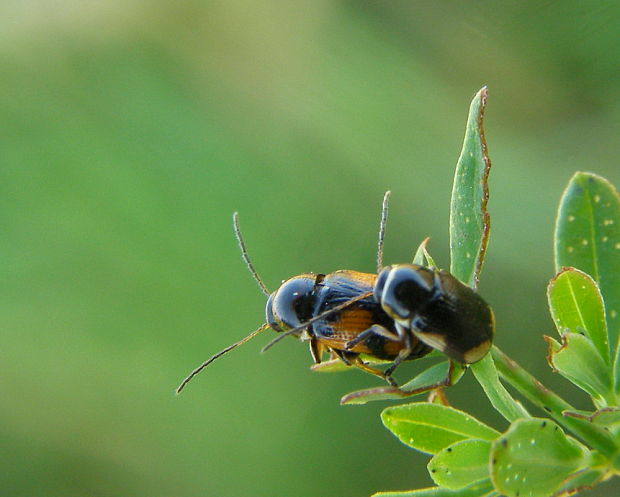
{"x":337,"y":313}
{"x":330,"y":312}
{"x":399,"y":314}
{"x":438,"y":309}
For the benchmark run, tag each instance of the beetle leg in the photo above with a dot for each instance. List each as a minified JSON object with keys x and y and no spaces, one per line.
{"x":402,"y":355}
{"x":358,"y":363}
{"x":316,"y":351}
{"x":399,"y":358}
{"x":353,"y":359}
{"x":344,"y":356}
{"x":403,"y":335}
{"x":375,"y":329}
{"x":402,"y":330}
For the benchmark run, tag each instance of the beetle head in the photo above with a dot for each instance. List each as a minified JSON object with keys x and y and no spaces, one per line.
{"x":403,"y":290}
{"x":292,"y":303}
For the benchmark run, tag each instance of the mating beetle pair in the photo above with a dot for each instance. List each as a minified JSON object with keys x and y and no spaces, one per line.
{"x":399,"y":314}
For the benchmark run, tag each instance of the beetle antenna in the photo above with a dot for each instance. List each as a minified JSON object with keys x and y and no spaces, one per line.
{"x":219,"y":354}
{"x":303,"y":326}
{"x":384,"y":215}
{"x":246,"y":257}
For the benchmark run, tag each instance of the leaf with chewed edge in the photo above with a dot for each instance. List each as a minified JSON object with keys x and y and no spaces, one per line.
{"x":469,"y":219}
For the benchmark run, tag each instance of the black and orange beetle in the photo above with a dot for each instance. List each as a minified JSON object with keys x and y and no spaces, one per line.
{"x":400,"y":314}
{"x":438,"y":309}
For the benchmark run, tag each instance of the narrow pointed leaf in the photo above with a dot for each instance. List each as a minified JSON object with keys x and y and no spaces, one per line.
{"x":534,"y":459}
{"x":445,"y":373}
{"x":583,"y":480}
{"x":422,"y":256}
{"x":576,"y":305}
{"x":587,"y":236}
{"x":469,"y":219}
{"x":430,"y":262}
{"x":461,"y":464}
{"x":486,"y":374}
{"x":608,"y":416}
{"x":479,"y":489}
{"x":578,"y":361}
{"x":432,"y":427}
{"x":438,"y":375}
{"x":418,"y":258}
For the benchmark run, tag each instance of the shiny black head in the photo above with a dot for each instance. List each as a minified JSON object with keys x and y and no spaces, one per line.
{"x":404,"y":290}
{"x":292,"y":303}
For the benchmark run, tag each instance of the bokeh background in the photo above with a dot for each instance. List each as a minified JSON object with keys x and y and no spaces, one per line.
{"x":131,"y":130}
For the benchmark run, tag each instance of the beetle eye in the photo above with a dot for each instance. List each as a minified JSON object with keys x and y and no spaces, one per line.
{"x":406,"y":290}
{"x":380,"y":284}
{"x":270,"y":319}
{"x":291,"y":304}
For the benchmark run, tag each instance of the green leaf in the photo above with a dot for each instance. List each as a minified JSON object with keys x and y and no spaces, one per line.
{"x":432,"y":427}
{"x":479,"y":489}
{"x":576,"y":305}
{"x":534,"y":459}
{"x":430,"y":262}
{"x":542,"y":397}
{"x":578,"y":361}
{"x":337,"y":366}
{"x":443,"y":374}
{"x":461,"y":464}
{"x":469,"y":219}
{"x":418,"y":258}
{"x":486,"y":374}
{"x":446,"y":373}
{"x":587,"y":236}
{"x":608,"y":417}
{"x":580,"y":481}
{"x":331,"y":366}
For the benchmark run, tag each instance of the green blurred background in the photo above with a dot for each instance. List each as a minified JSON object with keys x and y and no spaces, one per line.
{"x":130,"y":132}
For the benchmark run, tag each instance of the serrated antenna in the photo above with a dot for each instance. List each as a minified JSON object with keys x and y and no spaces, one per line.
{"x":218,"y":355}
{"x":384,"y":216}
{"x":246,"y":257}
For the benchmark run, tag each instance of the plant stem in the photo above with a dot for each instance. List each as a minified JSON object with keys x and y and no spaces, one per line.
{"x":554,"y":405}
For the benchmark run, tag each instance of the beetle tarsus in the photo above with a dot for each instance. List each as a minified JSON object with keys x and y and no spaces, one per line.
{"x":391,"y":381}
